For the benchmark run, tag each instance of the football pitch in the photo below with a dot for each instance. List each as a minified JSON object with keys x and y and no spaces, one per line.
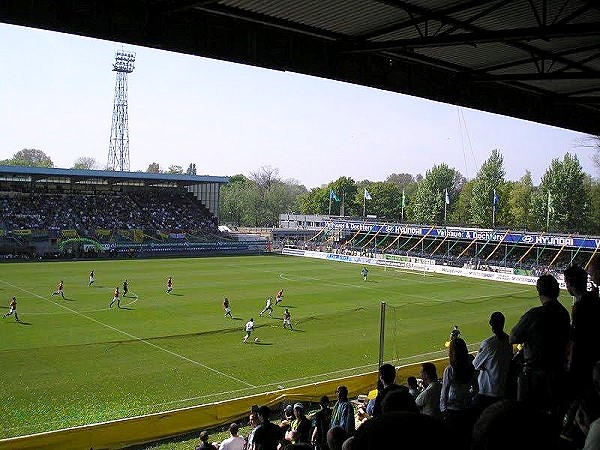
{"x":76,"y":361}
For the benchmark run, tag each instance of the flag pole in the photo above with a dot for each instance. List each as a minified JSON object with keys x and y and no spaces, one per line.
{"x":364,"y":205}
{"x":330,"y":201}
{"x":548,"y":213}
{"x":445,"y":206}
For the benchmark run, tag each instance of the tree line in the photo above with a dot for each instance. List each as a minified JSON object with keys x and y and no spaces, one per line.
{"x":566,"y":200}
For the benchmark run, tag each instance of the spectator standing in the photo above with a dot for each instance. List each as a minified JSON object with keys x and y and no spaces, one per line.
{"x":428,"y":401}
{"x":343,"y":412}
{"x":459,"y":385}
{"x":204,"y":444}
{"x":267,"y":435}
{"x":321,"y":421}
{"x":234,"y":442}
{"x":387,"y":377}
{"x":299,"y":432}
{"x":493,"y":362}
{"x":254,"y":423}
{"x":413,"y":386}
{"x":544,"y":333}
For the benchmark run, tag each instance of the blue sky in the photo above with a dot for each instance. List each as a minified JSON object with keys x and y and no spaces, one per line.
{"x":57,"y":91}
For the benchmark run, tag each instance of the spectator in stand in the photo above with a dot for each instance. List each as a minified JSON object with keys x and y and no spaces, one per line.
{"x":593,"y":269}
{"x":584,"y":344}
{"x":204,"y":444}
{"x":387,"y":377}
{"x":413,"y":386}
{"x":267,"y":435}
{"x":299,"y":431}
{"x":428,"y":401}
{"x":336,"y":437}
{"x":234,"y":442}
{"x":544,"y":333}
{"x":254,"y":423}
{"x":592,"y":427}
{"x":459,"y":385}
{"x":508,"y":424}
{"x":343,"y":412}
{"x":321,"y":421}
{"x":399,"y":400}
{"x":493,"y":362}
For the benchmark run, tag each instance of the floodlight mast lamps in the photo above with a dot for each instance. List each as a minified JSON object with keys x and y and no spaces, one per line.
{"x":118,"y":153}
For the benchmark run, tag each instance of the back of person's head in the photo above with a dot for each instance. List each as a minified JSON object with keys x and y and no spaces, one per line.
{"x":509,"y":424}
{"x":412,"y":382}
{"x":547,"y":286}
{"x":297,"y":446}
{"x":234,"y":428}
{"x":264,"y":412}
{"x":336,"y":437}
{"x":342,"y":393}
{"x":576,"y":277}
{"x":387,"y":373}
{"x":324,"y":402}
{"x":459,"y":359}
{"x":395,"y":429}
{"x":399,"y":400}
{"x":430,"y":370}
{"x":497,"y":321}
{"x":204,"y":436}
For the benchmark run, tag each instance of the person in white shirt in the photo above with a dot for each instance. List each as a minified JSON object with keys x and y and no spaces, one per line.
{"x":268,"y":307}
{"x":234,"y":442}
{"x":249,"y":327}
{"x":428,"y":401}
{"x":493,"y":362}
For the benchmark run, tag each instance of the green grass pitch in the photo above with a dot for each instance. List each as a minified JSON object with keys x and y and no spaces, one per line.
{"x":75,"y":361}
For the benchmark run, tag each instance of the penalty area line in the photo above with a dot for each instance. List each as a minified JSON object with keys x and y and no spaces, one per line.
{"x":129,"y":335}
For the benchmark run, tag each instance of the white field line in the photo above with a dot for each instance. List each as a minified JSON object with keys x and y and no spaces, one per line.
{"x":129,"y":335}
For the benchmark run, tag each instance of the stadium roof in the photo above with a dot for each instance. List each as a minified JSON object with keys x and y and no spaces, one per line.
{"x":41,"y":174}
{"x":534,"y":59}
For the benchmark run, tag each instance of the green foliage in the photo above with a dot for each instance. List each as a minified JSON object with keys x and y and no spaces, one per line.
{"x":490,"y":177}
{"x":386,"y":200}
{"x":519,"y":202}
{"x":173,"y":169}
{"x":191,"y":170}
{"x":30,"y":157}
{"x":570,"y":205}
{"x":154,"y":168}
{"x":85,"y":163}
{"x":427,"y":203}
{"x":461,"y":210}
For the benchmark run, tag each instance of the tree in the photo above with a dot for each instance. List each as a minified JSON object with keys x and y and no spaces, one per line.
{"x":153,"y":168}
{"x":490,"y":178}
{"x":175,"y":169}
{"x":427,"y":202}
{"x":461,"y":208}
{"x":30,"y":157}
{"x":316,"y":201}
{"x":86,"y":163}
{"x":593,"y":193}
{"x":346,"y":190}
{"x":191,"y":170}
{"x":519,"y":202}
{"x":569,"y":204}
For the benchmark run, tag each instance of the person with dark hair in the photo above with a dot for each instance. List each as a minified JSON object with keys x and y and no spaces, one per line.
{"x":399,"y":400}
{"x":204,"y":444}
{"x":343,"y":412}
{"x":544,"y":332}
{"x":458,"y":388}
{"x":336,"y":436}
{"x":493,"y":362}
{"x":267,"y":435}
{"x":592,"y":427}
{"x":254,"y":423}
{"x":234,"y":442}
{"x":299,"y":431}
{"x":508,"y":424}
{"x":413,"y":386}
{"x":12,"y":310}
{"x":387,"y":377}
{"x":428,"y":401}
{"x":593,"y":270}
{"x":321,"y":421}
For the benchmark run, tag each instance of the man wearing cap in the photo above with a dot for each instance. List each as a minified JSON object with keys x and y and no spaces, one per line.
{"x":493,"y":362}
{"x":267,"y":435}
{"x":300,"y":428}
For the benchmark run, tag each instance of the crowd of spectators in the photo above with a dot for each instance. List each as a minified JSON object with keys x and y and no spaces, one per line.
{"x":165,"y":210}
{"x":537,"y":387}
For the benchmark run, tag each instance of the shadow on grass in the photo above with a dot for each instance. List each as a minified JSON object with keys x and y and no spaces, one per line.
{"x":178,"y":295}
{"x":236,"y":318}
{"x":287,"y":306}
{"x":125,"y":307}
{"x":20,"y":322}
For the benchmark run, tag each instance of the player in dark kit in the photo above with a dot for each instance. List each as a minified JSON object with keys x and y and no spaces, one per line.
{"x":12,"y":310}
{"x":226,"y":308}
{"x":169,"y":285}
{"x":91,"y":278}
{"x":59,"y":289}
{"x":116,"y":298}
{"x":125,"y":287}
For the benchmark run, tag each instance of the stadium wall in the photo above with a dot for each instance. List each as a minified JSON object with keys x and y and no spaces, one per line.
{"x":149,"y":428}
{"x":422,"y":266}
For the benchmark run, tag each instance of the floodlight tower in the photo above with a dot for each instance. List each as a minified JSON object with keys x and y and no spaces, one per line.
{"x":118,"y":152}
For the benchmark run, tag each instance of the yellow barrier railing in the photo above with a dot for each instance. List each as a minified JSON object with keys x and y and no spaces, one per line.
{"x":138,"y":430}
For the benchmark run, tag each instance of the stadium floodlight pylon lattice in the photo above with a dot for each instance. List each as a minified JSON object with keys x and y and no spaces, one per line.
{"x":118,"y":153}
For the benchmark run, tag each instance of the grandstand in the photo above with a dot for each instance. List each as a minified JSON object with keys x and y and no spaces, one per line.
{"x":50,"y":212}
